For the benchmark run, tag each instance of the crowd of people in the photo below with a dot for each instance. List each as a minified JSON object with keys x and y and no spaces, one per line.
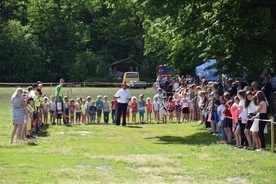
{"x":228,"y":108}
{"x":231,"y":109}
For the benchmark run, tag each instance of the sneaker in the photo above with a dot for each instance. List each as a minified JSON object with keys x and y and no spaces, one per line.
{"x":259,"y":149}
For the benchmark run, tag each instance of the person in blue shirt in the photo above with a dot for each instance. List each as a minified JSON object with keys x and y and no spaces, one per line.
{"x":141,"y":107}
{"x":92,"y":110}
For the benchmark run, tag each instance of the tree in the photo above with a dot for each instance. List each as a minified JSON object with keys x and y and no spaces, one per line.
{"x":20,"y":55}
{"x":239,"y":34}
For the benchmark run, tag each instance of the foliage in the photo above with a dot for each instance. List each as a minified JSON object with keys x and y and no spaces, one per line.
{"x":239,"y":34}
{"x":19,"y":53}
{"x":76,"y":39}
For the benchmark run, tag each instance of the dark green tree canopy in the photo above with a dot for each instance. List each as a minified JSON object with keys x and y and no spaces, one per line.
{"x":76,"y":39}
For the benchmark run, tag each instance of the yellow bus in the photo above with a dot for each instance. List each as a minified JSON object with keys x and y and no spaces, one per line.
{"x":133,"y":80}
{"x":131,"y":76}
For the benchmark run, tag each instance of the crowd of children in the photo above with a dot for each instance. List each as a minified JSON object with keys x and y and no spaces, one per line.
{"x":227,"y":109}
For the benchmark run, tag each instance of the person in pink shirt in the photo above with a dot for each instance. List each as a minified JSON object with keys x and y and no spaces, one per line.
{"x":149,"y":109}
{"x":171,"y":107}
{"x":235,"y":116}
{"x":72,"y":108}
{"x":134,"y":108}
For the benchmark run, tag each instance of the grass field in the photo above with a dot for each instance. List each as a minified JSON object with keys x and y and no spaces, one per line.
{"x":149,"y":153}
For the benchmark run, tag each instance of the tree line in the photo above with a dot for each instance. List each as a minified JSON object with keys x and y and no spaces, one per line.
{"x":49,"y":39}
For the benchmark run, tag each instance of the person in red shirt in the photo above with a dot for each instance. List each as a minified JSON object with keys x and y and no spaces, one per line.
{"x":114,"y":107}
{"x":255,"y":87}
{"x":228,"y":117}
{"x":72,"y":108}
{"x":171,"y":107}
{"x":134,"y":108}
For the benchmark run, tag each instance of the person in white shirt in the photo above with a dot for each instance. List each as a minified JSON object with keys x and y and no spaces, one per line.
{"x":251,"y":107}
{"x":221,"y":114}
{"x":123,"y":96}
{"x":242,"y":116}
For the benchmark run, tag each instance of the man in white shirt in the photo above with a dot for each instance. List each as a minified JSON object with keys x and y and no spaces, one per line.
{"x":123,"y":96}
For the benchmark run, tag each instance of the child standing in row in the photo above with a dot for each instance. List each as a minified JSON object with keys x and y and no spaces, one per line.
{"x":78,"y":110}
{"x":83,"y":111}
{"x":72,"y":108}
{"x":178,"y":110}
{"x":45,"y":107}
{"x":164,"y":109}
{"x":52,"y":109}
{"x":156,"y":109}
{"x":66,"y":109}
{"x":92,"y":111}
{"x":141,"y":108}
{"x":134,"y":108}
{"x":106,"y":110}
{"x":171,"y":107}
{"x":185,"y":107}
{"x":114,"y":107}
{"x":88,"y":105}
{"x":30,"y":111}
{"x":149,"y":109}
{"x":99,"y":105}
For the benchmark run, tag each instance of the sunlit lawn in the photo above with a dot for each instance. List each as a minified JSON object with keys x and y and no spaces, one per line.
{"x":149,"y":153}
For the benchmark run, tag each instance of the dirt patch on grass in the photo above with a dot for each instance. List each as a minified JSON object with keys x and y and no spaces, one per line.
{"x":104,"y":168}
{"x":237,"y":180}
{"x":83,"y":166}
{"x":141,"y":160}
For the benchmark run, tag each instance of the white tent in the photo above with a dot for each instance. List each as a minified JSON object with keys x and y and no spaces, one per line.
{"x":209,"y":73}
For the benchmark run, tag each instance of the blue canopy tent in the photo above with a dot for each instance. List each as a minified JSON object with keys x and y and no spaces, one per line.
{"x":207,"y":70}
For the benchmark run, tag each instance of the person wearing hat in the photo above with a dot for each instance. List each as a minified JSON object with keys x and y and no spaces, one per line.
{"x":123,"y":96}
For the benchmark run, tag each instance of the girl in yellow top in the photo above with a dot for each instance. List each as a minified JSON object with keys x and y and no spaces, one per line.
{"x":30,"y":110}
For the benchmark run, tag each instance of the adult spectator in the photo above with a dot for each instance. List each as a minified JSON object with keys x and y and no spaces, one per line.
{"x":254,"y":87}
{"x":59,"y":98}
{"x":123,"y":96}
{"x":231,"y":88}
{"x":273,"y":82}
{"x":39,"y":85}
{"x":242,"y":83}
{"x":267,"y":89}
{"x":18,"y":113}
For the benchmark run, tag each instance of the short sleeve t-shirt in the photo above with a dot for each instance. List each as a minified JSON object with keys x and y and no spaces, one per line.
{"x":114,"y":105}
{"x":93,"y":109}
{"x":59,"y":90}
{"x":141,"y":104}
{"x":220,"y":110}
{"x":134,"y":106}
{"x":264,"y":107}
{"x":99,"y":104}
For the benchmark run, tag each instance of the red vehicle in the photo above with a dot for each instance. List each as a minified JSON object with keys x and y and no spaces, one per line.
{"x":164,"y":70}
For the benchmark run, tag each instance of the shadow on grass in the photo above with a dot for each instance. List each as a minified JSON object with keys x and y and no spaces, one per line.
{"x":200,"y":138}
{"x":133,"y":126}
{"x":44,"y":132}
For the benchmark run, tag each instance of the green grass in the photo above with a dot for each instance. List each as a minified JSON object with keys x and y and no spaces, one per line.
{"x":150,"y":153}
